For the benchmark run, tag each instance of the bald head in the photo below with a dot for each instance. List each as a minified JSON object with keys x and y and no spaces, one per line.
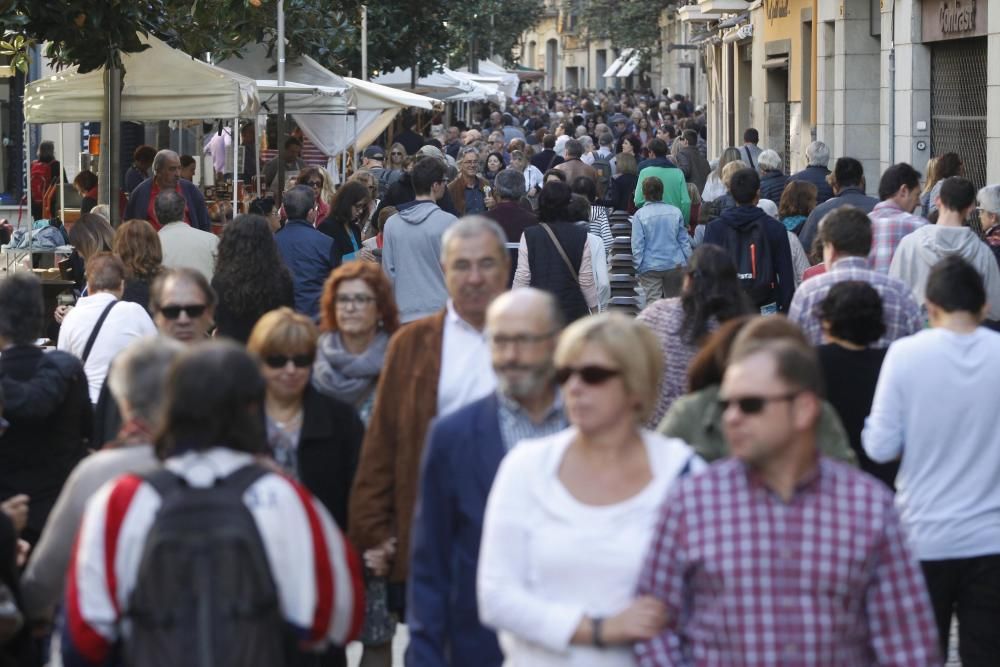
{"x":525,"y":301}
{"x":523,"y":326}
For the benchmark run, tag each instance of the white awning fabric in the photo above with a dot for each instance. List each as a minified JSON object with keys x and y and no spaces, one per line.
{"x":612,"y":69}
{"x":160,"y":83}
{"x":630,"y":66}
{"x":439,"y":85}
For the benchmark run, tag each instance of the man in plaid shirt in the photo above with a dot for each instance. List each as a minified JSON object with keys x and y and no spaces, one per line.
{"x":846,"y":235}
{"x":779,"y":556}
{"x":892,"y":218}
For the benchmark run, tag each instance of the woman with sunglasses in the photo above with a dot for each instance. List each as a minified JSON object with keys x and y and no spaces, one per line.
{"x":349,"y":211}
{"x":696,"y":418}
{"x":314,"y":438}
{"x":397,"y":154}
{"x":569,"y":516}
{"x":314,"y":178}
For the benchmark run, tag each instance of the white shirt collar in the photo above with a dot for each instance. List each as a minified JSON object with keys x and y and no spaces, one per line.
{"x":454,"y":319}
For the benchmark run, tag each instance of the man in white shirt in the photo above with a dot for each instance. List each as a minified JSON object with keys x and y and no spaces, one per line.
{"x":183,"y":245}
{"x":117,"y":323}
{"x":932,"y":410}
{"x":433,"y":366}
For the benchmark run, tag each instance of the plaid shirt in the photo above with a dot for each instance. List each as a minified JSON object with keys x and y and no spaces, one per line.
{"x":516,"y":424}
{"x":824,"y":580}
{"x":889,"y":225}
{"x":900,"y":311}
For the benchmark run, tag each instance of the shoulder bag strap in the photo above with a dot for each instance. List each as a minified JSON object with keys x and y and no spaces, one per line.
{"x":97,"y":329}
{"x":562,"y":253}
{"x":749,"y":157}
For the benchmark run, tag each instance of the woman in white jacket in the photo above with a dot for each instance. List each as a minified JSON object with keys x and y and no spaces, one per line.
{"x":569,"y":516}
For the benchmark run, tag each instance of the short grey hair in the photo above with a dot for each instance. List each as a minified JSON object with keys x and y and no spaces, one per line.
{"x":509,"y":185}
{"x":769,"y":160}
{"x":606,"y":139}
{"x":587,"y":143}
{"x":161,"y":157}
{"x":104,"y":211}
{"x":471,"y":226}
{"x":139,"y":374}
{"x":468,"y":150}
{"x":169,"y":207}
{"x":818,"y":154}
{"x":989,"y":199}
{"x":299,"y":201}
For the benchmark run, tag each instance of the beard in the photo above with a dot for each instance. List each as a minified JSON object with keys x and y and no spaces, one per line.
{"x":531,"y":383}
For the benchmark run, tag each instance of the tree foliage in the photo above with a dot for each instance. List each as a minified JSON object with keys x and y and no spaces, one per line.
{"x":627,"y":23}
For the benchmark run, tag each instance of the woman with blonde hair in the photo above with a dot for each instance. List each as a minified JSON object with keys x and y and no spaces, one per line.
{"x":714,"y":187}
{"x":316,"y":178}
{"x":569,"y":516}
{"x":397,"y":155}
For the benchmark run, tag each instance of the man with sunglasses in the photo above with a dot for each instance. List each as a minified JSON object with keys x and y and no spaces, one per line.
{"x":779,"y":555}
{"x":460,"y":461}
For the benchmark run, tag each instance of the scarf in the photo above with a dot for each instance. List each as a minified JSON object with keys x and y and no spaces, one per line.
{"x":345,"y":376}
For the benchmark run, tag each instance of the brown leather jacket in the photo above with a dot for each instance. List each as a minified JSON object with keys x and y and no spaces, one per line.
{"x":385,"y":485}
{"x":575,"y":168}
{"x":457,"y":190}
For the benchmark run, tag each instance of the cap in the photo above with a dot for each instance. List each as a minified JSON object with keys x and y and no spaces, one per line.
{"x":618,"y":118}
{"x":375,"y":153}
{"x":433,"y":151}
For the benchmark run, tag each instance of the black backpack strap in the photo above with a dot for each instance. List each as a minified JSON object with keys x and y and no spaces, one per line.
{"x":97,"y":329}
{"x":243,"y":478}
{"x":164,"y":481}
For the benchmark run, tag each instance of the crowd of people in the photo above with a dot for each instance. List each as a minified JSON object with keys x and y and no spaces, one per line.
{"x":411,"y":399}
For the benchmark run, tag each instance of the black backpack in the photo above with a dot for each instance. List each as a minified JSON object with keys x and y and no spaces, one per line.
{"x":602,"y":165}
{"x":751,"y":252}
{"x":204,"y":594}
{"x":385,"y":178}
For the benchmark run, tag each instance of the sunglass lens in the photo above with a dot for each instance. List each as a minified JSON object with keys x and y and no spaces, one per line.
{"x":563,"y":375}
{"x":596,"y":374}
{"x":302,"y":360}
{"x":276,"y":360}
{"x":751,"y":405}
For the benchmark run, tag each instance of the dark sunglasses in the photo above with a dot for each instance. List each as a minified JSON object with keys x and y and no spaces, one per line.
{"x":315,"y":184}
{"x":753,"y":405}
{"x":281,"y":360}
{"x":173,"y":312}
{"x":589,"y":374}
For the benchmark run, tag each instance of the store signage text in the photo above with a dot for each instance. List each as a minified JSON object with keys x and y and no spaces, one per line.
{"x":957,"y":16}
{"x":953,"y":19}
{"x":775,"y":9}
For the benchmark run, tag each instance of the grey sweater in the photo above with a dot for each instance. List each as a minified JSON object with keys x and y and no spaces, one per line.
{"x":43,"y":581}
{"x":411,"y":257}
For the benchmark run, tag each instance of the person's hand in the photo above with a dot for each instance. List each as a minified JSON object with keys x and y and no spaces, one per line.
{"x":379,"y":559}
{"x":23,"y":549}
{"x":642,"y":620}
{"x":61,"y":312}
{"x":16,"y":509}
{"x":366,"y":255}
{"x":489,"y":201}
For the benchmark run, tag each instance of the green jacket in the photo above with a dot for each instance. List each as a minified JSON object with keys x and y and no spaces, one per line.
{"x":675,"y":190}
{"x":695,"y":419}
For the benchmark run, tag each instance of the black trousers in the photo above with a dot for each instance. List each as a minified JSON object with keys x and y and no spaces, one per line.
{"x":970,"y":588}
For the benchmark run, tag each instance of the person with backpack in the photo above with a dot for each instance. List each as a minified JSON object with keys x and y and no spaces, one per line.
{"x":757,"y":244}
{"x":44,"y":175}
{"x":373,"y":160}
{"x":214,"y":559}
{"x":602,"y":164}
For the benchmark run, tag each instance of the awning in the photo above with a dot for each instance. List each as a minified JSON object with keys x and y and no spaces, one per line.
{"x":370,"y":96}
{"x":630,"y":66}
{"x":438,"y":85}
{"x":778,"y":62}
{"x":160,"y":83}
{"x":612,"y":70}
{"x":301,"y":98}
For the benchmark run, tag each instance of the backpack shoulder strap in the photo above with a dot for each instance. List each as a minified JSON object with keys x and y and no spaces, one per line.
{"x":97,"y":329}
{"x":243,"y":478}
{"x":163,"y":481}
{"x":561,"y":251}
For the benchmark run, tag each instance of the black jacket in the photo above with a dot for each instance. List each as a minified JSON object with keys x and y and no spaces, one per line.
{"x":341,"y":237}
{"x":49,"y":433}
{"x":548,"y":269}
{"x":329,"y":445}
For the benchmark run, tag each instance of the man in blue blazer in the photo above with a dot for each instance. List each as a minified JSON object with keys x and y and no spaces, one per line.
{"x":460,"y":460}
{"x":167,"y":176}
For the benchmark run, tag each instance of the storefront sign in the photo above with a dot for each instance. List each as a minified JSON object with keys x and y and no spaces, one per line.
{"x":953,"y":19}
{"x":775,"y":9}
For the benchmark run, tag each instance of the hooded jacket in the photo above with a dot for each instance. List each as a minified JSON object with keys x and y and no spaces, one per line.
{"x":411,"y":252}
{"x":777,"y":237}
{"x":920,"y":250}
{"x":674,"y":184}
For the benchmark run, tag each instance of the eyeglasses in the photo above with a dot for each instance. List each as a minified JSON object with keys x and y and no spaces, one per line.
{"x":193,"y":311}
{"x":520,"y":340}
{"x":395,"y":153}
{"x":589,"y":374}
{"x":281,"y":360}
{"x":359,"y":300}
{"x":753,"y":405}
{"x":315,"y":184}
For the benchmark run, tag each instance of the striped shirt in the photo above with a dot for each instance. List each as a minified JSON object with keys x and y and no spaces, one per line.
{"x":889,"y":225}
{"x":900,"y":312}
{"x":315,"y":570}
{"x":517,"y":425}
{"x":823,"y":580}
{"x":600,"y":227}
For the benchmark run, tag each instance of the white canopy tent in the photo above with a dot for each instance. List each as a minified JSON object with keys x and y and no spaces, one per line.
{"x":367,"y":106}
{"x":439,"y":85}
{"x":489,"y":72}
{"x":160,"y":83}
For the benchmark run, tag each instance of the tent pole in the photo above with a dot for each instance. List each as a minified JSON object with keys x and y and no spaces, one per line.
{"x":256,"y":149}
{"x":62,"y":186}
{"x":27,"y":171}
{"x":236,"y":166}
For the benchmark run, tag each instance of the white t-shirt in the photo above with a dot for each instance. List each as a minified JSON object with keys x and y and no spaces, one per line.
{"x":547,"y":559}
{"x":125,"y":323}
